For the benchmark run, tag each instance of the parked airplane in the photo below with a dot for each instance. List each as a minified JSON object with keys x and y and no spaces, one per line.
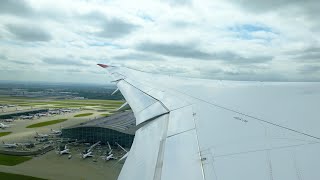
{"x":9,"y":120}
{"x":54,"y":112}
{"x":26,"y":117}
{"x":108,"y":155}
{"x":38,"y":135}
{"x":63,"y":151}
{"x":8,"y":145}
{"x":42,"y":114}
{"x":88,"y":152}
{"x":4,"y":126}
{"x":215,"y":129}
{"x":65,"y":110}
{"x":56,"y":132}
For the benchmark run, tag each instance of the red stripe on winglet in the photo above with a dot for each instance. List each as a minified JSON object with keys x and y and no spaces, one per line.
{"x":103,"y":65}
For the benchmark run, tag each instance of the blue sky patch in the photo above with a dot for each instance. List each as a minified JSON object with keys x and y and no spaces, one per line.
{"x":245,"y":31}
{"x":253,"y":28}
{"x":145,"y":16}
{"x":109,"y":44}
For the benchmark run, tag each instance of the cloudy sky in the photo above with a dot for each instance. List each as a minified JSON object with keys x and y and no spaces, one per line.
{"x":62,"y":41}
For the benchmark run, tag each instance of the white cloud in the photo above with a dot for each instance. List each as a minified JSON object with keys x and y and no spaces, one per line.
{"x":218,"y":39}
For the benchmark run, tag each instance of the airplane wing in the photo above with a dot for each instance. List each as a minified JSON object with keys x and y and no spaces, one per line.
{"x":212,"y":129}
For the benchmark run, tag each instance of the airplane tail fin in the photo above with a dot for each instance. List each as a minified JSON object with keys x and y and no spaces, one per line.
{"x":103,"y":65}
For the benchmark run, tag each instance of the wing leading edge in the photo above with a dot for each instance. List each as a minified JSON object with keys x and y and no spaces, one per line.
{"x":206,"y":129}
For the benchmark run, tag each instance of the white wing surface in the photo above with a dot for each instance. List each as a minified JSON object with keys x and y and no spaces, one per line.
{"x":211,"y":129}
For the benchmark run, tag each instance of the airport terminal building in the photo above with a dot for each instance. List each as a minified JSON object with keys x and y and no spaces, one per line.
{"x":118,"y":128}
{"x":17,"y":114}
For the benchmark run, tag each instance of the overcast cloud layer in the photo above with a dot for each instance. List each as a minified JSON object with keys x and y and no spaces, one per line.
{"x":62,"y":41}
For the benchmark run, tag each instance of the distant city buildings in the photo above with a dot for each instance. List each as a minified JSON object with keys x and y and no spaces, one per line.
{"x":45,"y":93}
{"x":58,"y":91}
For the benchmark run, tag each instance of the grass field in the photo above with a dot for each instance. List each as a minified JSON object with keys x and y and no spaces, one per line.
{"x":47,"y":123}
{"x":105,"y":115}
{"x":4,"y":133}
{"x":83,"y":115}
{"x":9,"y":176}
{"x":12,"y":160}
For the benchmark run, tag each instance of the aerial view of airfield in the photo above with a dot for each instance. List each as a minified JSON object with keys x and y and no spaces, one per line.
{"x":160,"y":89}
{"x":61,"y":131}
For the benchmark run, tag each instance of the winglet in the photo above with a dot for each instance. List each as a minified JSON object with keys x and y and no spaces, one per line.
{"x":103,"y":65}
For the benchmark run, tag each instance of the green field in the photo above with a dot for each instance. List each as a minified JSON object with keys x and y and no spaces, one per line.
{"x":105,"y":115}
{"x":47,"y":123}
{"x":12,"y":160}
{"x":9,"y":176}
{"x":83,"y":115}
{"x":4,"y":133}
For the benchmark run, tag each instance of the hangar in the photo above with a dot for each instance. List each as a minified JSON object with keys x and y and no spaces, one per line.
{"x":118,"y":128}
